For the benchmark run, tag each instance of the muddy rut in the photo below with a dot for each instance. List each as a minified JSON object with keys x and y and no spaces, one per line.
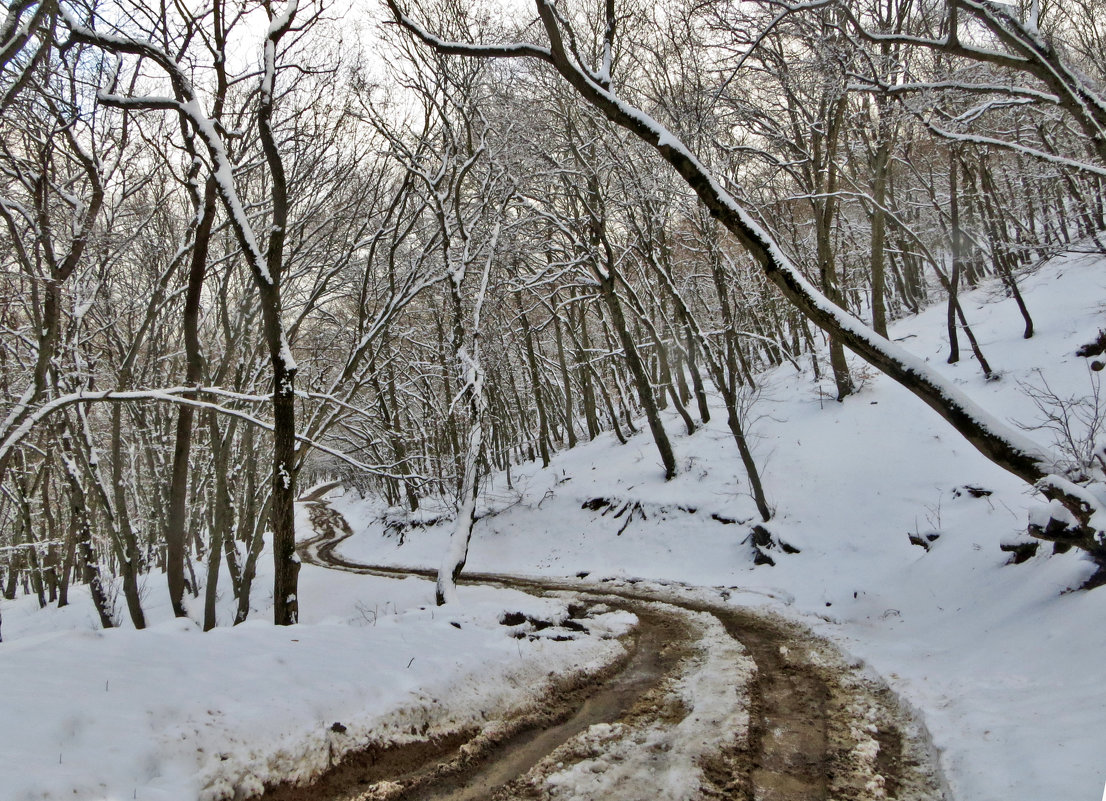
{"x":820,"y":728}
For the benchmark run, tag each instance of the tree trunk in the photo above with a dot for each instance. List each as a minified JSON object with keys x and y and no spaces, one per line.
{"x":641,"y":378}
{"x":286,"y":563}
{"x":176,"y":521}
{"x":956,"y":247}
{"x":733,"y":420}
{"x":879,"y":227}
{"x":535,"y":384}
{"x":585,"y":371}
{"x":566,"y":381}
{"x":696,"y":379}
{"x":221,"y":516}
{"x":128,"y":552}
{"x":86,"y":557}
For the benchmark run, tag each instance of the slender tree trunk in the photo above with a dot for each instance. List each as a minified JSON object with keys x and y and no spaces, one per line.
{"x":457,"y":551}
{"x":53,"y":579}
{"x":535,"y":384}
{"x":825,"y":213}
{"x":177,"y":519}
{"x":221,"y":516}
{"x":566,"y":382}
{"x":129,"y":554}
{"x":400,"y":446}
{"x":733,"y":420}
{"x":68,"y":564}
{"x":957,"y":245}
{"x":86,"y":556}
{"x":879,"y":228}
{"x":12,"y":581}
{"x":641,"y":378}
{"x":286,"y":563}
{"x":585,"y":371}
{"x":471,"y":373}
{"x":251,"y":526}
{"x":696,"y":379}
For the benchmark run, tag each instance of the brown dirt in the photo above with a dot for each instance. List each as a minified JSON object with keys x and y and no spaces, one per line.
{"x":470,"y":766}
{"x":662,"y":641}
{"x":787,"y":741}
{"x":820,"y":727}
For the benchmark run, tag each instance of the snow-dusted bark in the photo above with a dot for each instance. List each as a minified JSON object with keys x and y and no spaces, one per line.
{"x":473,"y":375}
{"x":286,"y":562}
{"x":86,"y":557}
{"x":453,"y":562}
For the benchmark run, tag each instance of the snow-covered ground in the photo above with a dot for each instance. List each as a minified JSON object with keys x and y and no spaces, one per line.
{"x":171,"y":713}
{"x":1000,"y":661}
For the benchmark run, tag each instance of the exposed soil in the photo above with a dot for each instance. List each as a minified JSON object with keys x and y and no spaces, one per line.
{"x":820,"y":727}
{"x":788,"y":742}
{"x":661,"y":642}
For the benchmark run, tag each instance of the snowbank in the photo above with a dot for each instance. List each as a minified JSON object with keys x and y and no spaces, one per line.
{"x":171,"y":713}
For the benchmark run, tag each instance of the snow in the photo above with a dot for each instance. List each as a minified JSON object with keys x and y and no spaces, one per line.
{"x":1000,"y":661}
{"x":280,"y":22}
{"x":285,"y":355}
{"x":172,"y":713}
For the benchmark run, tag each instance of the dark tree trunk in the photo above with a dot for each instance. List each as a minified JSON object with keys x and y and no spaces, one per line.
{"x":535,"y":384}
{"x":177,"y":519}
{"x":566,"y":382}
{"x":640,"y":376}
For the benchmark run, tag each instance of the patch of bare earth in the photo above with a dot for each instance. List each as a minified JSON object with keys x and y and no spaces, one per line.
{"x":822,"y":728}
{"x":473,"y":764}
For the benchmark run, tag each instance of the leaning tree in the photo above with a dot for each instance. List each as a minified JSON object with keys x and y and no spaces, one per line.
{"x":1077,"y":517}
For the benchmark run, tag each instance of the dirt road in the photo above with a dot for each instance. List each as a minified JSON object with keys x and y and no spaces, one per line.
{"x":819,"y":727}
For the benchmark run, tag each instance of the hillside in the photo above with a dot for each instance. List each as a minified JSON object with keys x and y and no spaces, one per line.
{"x":997,"y":660}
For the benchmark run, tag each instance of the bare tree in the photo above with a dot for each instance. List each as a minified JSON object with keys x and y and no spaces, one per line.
{"x":593,"y":82}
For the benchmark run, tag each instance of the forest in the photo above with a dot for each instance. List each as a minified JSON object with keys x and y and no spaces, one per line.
{"x":250,"y":247}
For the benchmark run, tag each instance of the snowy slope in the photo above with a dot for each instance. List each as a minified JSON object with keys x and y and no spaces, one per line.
{"x":1000,"y":660}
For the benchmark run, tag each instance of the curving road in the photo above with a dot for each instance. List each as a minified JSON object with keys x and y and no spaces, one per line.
{"x":819,"y":729}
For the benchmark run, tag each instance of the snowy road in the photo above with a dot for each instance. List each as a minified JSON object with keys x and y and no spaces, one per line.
{"x":777,"y":715}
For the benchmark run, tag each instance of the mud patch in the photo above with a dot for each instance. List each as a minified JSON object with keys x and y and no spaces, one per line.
{"x":472,"y":764}
{"x":824,"y":728}
{"x":662,"y":641}
{"x":357,"y":773}
{"x":662,"y":745}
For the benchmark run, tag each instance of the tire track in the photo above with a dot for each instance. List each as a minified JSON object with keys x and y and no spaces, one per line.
{"x":820,"y":729}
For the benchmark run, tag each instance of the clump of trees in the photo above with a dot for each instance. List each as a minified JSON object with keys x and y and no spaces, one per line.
{"x":236,"y":261}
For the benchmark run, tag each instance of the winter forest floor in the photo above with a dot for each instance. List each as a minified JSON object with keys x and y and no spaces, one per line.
{"x":999,"y":662}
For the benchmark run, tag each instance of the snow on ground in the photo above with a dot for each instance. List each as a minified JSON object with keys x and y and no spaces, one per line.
{"x":999,"y":660}
{"x":171,"y":713}
{"x":1002,"y":663}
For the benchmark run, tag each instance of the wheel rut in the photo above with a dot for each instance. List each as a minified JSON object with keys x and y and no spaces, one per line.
{"x":819,"y":729}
